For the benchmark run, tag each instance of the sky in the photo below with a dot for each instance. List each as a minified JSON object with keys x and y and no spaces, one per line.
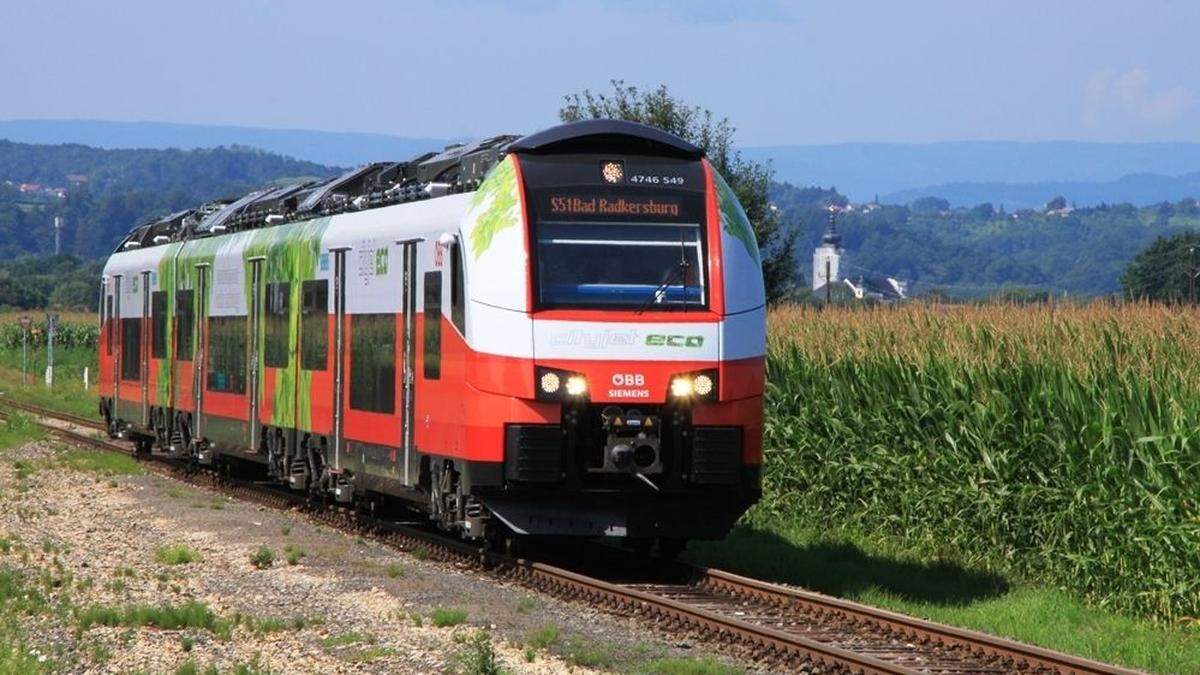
{"x":782,"y":72}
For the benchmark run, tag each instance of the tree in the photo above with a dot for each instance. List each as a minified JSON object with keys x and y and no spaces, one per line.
{"x":1164,"y":270}
{"x":1057,"y":204}
{"x":749,"y":180}
{"x":930,"y":206}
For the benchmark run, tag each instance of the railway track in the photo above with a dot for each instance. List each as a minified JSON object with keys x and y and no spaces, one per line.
{"x":777,"y":627}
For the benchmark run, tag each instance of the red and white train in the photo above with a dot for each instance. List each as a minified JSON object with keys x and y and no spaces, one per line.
{"x":560,"y":334}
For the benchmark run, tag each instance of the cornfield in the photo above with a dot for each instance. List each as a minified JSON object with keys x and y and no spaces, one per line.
{"x":1059,"y":444}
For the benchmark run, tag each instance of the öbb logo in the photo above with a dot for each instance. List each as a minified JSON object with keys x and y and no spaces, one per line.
{"x":693,"y":341}
{"x":628,"y":380}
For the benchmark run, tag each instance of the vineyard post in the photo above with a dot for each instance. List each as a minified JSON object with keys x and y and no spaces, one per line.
{"x":26,"y":323}
{"x":51,"y":329}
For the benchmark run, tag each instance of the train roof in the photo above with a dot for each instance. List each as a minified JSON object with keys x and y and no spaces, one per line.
{"x":456,"y":168}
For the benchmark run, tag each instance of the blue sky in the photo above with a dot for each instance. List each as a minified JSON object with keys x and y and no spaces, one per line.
{"x":783,"y":72}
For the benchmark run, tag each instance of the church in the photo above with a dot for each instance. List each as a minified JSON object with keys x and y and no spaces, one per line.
{"x":826,"y":271}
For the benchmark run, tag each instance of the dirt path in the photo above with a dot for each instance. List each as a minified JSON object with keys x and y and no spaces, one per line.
{"x":94,"y":550}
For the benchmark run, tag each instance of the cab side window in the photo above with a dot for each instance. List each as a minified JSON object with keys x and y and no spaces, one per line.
{"x":433,"y":325}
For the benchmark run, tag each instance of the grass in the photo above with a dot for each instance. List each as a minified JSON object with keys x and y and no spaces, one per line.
{"x":294,"y":554}
{"x":861,"y":568}
{"x":175,"y":554}
{"x":344,"y":640}
{"x":393,"y":570}
{"x":18,"y":599}
{"x":166,"y":617}
{"x":544,"y":637}
{"x":444,"y":617}
{"x":67,"y":394}
{"x":99,"y":462}
{"x":702,"y":666}
{"x":580,"y":651}
{"x":263,"y":558}
{"x":527,"y":604}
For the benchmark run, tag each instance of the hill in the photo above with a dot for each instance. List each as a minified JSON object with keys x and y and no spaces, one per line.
{"x":102,"y":193}
{"x":1141,"y":189}
{"x":863,"y":170}
{"x":977,"y":251}
{"x":324,"y":147}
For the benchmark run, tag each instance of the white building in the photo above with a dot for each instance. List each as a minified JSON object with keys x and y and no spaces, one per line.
{"x":826,"y":258}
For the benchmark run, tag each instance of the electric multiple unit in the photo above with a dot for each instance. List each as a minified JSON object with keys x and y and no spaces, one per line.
{"x":561,"y":334}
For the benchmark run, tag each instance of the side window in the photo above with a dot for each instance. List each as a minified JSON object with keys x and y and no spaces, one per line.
{"x":158,"y":324}
{"x":227,"y":354}
{"x":108,"y":325}
{"x":275,"y":325}
{"x":314,"y":325}
{"x":373,"y":362}
{"x":184,"y":324}
{"x":458,"y":310}
{"x":433,"y":325}
{"x":131,"y":349}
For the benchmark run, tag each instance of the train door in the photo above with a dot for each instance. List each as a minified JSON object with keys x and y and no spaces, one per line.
{"x":408,"y":355}
{"x":339,"y":354}
{"x":255,"y":313}
{"x":114,"y":344}
{"x":144,"y":351}
{"x":200,"y":348}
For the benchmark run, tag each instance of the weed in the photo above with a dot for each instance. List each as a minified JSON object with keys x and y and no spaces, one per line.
{"x":444,"y":617}
{"x":344,"y":639}
{"x":417,"y":620}
{"x":262,"y":558}
{"x":479,"y":657}
{"x":527,"y":604}
{"x":100,"y":462}
{"x":99,"y":653}
{"x":703,"y":666}
{"x":294,"y":556}
{"x":543,"y":637}
{"x":285,"y":529}
{"x":175,"y":554}
{"x":530,"y":654}
{"x":369,"y":654}
{"x":187,"y":642}
{"x":580,"y":652}
{"x":393,"y":571}
{"x":167,"y":617}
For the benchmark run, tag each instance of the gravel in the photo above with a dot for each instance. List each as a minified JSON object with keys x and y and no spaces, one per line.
{"x":346,"y":605}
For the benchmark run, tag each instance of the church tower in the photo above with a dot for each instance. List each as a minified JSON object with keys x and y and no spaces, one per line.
{"x":830,"y":251}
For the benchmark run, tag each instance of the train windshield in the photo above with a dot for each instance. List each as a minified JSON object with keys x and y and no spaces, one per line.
{"x":651,"y":266}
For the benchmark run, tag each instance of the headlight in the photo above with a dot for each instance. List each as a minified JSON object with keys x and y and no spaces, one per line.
{"x":576,"y":385}
{"x":681,"y":387}
{"x":553,"y":384}
{"x":700,"y":386}
{"x":550,"y":382}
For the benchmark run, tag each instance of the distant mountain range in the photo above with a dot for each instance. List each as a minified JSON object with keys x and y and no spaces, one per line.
{"x":1141,"y":189}
{"x":323,"y":147}
{"x":966,"y":173}
{"x":862,"y":170}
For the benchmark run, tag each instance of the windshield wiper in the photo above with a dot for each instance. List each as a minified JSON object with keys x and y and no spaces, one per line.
{"x":680,"y":273}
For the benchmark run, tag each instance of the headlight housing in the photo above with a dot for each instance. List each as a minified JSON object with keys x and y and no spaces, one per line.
{"x":697,"y":386}
{"x":553,"y":384}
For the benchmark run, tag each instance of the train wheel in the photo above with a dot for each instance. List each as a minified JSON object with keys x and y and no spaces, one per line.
{"x":142,"y":445}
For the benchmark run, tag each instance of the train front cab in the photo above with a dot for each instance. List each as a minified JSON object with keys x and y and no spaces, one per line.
{"x":640,"y":413}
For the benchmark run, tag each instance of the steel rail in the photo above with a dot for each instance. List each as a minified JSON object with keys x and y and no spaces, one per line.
{"x":764,"y":642}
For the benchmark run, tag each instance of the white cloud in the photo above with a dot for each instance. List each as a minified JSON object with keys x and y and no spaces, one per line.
{"x":1123,"y":97}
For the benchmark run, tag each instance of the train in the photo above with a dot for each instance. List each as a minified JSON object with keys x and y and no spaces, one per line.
{"x":560,"y":334}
